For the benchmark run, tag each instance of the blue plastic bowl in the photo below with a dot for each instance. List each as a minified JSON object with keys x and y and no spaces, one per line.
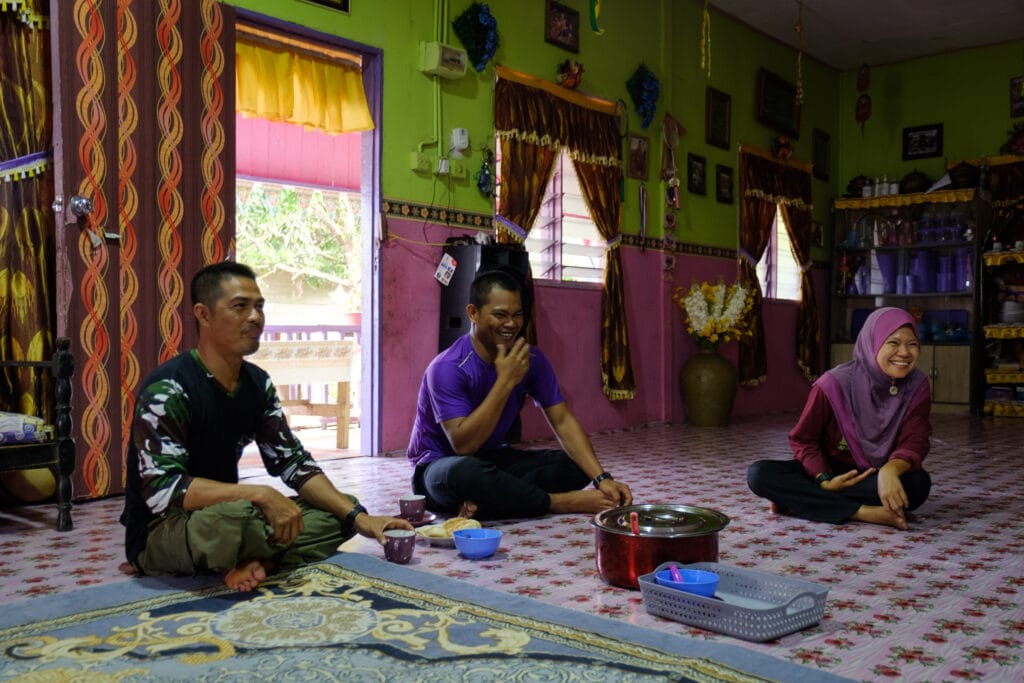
{"x":476,"y":544}
{"x":696,"y":581}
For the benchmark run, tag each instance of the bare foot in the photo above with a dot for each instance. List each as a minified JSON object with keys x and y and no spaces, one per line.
{"x":876,"y":514}
{"x":128,"y":569}
{"x":467,"y":509}
{"x":245,"y":577}
{"x":587,"y":500}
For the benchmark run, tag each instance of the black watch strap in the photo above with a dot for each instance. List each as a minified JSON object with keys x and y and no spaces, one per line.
{"x":350,"y":518}
{"x":601,"y":477}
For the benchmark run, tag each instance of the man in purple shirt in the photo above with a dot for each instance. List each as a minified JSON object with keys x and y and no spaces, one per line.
{"x":470,"y":396}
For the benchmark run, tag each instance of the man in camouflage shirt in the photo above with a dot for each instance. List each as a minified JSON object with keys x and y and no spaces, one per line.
{"x":185,"y":511}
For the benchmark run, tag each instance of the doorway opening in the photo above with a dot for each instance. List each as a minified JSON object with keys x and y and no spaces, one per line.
{"x":304,"y":223}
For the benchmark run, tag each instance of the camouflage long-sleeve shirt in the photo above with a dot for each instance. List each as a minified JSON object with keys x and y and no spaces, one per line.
{"x":187,"y":425}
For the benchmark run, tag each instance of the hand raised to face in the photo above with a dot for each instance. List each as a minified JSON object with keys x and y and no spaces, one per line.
{"x":513,"y":364}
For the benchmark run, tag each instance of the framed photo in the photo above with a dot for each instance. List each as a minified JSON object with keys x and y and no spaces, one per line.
{"x":639,"y":151}
{"x":820,"y":153}
{"x":723,"y":184}
{"x":922,"y":142}
{"x":717,"y":118}
{"x":340,"y":5}
{"x":562,"y":26}
{"x":1017,"y":96}
{"x":818,"y":234}
{"x":776,"y":104}
{"x":696,"y":172}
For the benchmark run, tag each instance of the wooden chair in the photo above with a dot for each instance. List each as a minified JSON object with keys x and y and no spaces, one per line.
{"x":58,"y":454}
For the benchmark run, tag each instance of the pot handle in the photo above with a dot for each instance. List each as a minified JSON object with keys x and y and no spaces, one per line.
{"x":801,"y":603}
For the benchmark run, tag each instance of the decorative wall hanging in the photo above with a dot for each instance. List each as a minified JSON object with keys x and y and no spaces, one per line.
{"x":485,"y":176}
{"x":863,"y":78}
{"x":723,"y":184}
{"x":777,"y":107}
{"x":799,"y":28}
{"x":863,"y":111}
{"x":1015,"y":145}
{"x":705,"y":41}
{"x":717,"y":118}
{"x":570,"y":74}
{"x":639,"y":153}
{"x":696,"y":173}
{"x":644,"y":88}
{"x":671,"y":132}
{"x":562,"y":26}
{"x":477,"y":28}
{"x":1017,"y":96}
{"x":782,"y":147}
{"x":595,"y":13}
{"x":820,"y":154}
{"x":922,"y":142}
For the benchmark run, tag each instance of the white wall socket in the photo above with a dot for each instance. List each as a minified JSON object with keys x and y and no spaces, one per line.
{"x":442,"y":166}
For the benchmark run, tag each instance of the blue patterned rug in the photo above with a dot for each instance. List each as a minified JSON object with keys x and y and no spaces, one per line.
{"x":351,"y":618}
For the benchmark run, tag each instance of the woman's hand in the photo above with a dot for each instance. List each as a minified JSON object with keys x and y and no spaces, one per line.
{"x":846,"y":480}
{"x":890,"y":488}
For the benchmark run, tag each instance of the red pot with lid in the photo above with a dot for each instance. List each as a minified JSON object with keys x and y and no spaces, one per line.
{"x":633,"y":540}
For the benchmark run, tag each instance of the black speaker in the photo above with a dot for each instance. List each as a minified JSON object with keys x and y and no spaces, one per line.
{"x":472,"y":258}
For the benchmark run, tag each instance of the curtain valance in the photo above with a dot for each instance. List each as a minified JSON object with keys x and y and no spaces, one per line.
{"x":287,"y":84}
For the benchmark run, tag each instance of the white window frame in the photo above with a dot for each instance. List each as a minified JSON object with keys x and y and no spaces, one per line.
{"x":564,"y":244}
{"x":778,"y":271}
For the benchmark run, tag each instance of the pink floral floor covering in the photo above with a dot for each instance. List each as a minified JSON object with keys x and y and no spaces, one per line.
{"x":941,"y":602}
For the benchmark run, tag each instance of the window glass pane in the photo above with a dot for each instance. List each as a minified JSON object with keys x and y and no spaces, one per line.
{"x":564,"y":243}
{"x":778,"y":272}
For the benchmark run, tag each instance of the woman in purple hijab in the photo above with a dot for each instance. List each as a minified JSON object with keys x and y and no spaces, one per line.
{"x":863,"y":435}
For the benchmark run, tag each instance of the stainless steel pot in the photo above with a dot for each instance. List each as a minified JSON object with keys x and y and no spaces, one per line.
{"x":664,"y":533}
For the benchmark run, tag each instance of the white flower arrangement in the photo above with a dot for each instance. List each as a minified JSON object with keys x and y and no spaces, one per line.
{"x":715,"y":314}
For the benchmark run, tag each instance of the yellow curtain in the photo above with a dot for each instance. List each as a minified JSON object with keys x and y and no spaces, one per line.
{"x":289,"y":85}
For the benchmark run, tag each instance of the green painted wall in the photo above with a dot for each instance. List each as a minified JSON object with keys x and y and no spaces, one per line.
{"x":967,"y":91}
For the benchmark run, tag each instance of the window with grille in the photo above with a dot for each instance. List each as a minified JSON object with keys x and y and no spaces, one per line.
{"x":777,"y":271}
{"x":564,"y":244}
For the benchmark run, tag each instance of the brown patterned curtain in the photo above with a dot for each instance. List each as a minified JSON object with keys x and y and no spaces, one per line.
{"x":764,"y":184}
{"x":27,"y":259}
{"x":534,"y":119}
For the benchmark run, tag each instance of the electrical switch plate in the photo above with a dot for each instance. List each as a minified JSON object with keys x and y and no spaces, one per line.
{"x":458,"y":171}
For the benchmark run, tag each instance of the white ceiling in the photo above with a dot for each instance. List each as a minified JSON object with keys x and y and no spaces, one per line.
{"x":847,"y":33}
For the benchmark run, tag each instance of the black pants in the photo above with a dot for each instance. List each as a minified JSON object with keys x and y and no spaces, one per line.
{"x":786,"y":483}
{"x":505,"y":483}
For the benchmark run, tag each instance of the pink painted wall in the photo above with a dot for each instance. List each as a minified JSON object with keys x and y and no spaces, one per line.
{"x":568,"y":324}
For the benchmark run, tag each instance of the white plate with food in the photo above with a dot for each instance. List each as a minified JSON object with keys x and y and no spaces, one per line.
{"x":440,"y":535}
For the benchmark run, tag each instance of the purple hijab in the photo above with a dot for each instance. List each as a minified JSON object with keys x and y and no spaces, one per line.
{"x":868,"y":415}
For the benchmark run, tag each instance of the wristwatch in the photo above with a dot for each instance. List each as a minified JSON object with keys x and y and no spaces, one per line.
{"x":601,"y":477}
{"x":824,"y":476}
{"x":350,"y":518}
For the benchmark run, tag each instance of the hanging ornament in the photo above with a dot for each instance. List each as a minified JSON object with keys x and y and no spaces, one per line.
{"x":705,"y":41}
{"x":863,"y":110}
{"x":799,"y":28}
{"x":570,"y":74}
{"x":595,"y":12}
{"x":485,"y":176}
{"x":863,"y":78}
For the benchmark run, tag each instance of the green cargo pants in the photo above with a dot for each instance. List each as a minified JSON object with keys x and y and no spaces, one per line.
{"x":223,"y":536}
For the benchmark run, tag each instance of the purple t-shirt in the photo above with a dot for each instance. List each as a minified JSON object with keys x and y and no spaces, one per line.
{"x":456,"y":382}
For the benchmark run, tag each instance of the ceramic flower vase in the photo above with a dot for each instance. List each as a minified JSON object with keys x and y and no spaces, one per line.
{"x":708,"y":383}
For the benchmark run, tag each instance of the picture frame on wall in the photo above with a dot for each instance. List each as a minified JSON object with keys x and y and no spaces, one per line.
{"x":1017,"y":96}
{"x":340,"y":5}
{"x":696,"y":174}
{"x":723,"y":184}
{"x":717,"y":117}
{"x":820,"y":154}
{"x":639,"y":153}
{"x":922,"y":142}
{"x":777,"y":107}
{"x":562,"y":26}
